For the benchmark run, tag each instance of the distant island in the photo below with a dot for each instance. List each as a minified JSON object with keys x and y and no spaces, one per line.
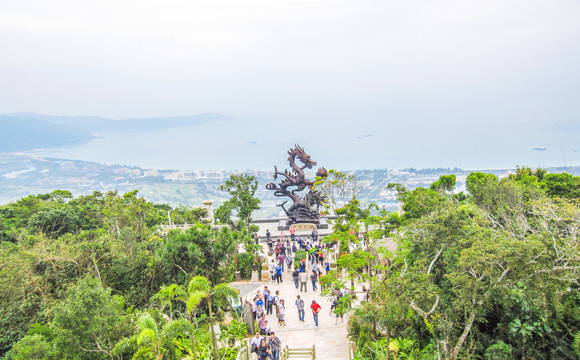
{"x":31,"y":131}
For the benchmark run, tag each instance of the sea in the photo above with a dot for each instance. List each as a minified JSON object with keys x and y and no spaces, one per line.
{"x":236,"y":146}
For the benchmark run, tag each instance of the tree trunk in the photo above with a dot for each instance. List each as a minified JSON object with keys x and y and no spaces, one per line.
{"x":193,"y":347}
{"x":213,"y":339}
{"x":455,"y":352}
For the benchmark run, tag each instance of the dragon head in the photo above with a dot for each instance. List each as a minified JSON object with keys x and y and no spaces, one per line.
{"x":322,"y":172}
{"x":301,"y":155}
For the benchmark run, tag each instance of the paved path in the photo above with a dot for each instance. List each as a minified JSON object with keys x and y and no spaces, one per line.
{"x":331,"y":340}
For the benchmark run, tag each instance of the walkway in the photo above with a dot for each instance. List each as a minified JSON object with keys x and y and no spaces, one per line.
{"x":331,"y":340}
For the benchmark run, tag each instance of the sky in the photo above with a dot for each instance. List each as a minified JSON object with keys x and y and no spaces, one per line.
{"x":422,"y":80}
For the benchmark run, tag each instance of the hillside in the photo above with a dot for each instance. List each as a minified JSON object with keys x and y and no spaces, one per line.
{"x":19,"y":134}
{"x":99,"y":124}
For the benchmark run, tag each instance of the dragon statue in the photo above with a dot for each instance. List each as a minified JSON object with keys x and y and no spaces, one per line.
{"x":303,"y":209}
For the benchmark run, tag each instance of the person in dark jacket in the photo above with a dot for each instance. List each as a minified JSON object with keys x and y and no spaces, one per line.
{"x":263,"y":350}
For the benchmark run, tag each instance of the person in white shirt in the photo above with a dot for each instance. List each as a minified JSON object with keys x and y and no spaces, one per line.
{"x":255,"y":342}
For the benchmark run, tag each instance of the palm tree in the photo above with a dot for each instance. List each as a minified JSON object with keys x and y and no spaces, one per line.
{"x":151,"y":337}
{"x":198,"y":288}
{"x":166,"y":295}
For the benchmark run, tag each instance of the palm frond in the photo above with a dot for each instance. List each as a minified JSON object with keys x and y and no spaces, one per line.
{"x":176,"y":328}
{"x":193,"y":300}
{"x":198,"y":283}
{"x":224,"y":291}
{"x":146,"y":336}
{"x":125,"y":345}
{"x":147,"y":322}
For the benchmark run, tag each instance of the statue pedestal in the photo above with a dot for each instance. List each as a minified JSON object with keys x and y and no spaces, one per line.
{"x":265,"y":272}
{"x":254,"y":276}
{"x":303,"y":228}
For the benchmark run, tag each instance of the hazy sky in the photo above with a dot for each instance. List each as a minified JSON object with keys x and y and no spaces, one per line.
{"x":430,"y":73}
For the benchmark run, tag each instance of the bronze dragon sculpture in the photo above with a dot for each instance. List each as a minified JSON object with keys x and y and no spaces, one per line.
{"x":303,"y":209}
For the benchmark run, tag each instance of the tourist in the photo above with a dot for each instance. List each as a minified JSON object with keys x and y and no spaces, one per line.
{"x":262,"y":325}
{"x":288,"y":262}
{"x":303,"y":265}
{"x":283,"y":249}
{"x":259,"y":311}
{"x":266,"y":328}
{"x":314,"y":279}
{"x":255,"y":342}
{"x":295,"y":275}
{"x":281,"y":259}
{"x":336,"y":299}
{"x":292,"y":234}
{"x":263,"y":350}
{"x":282,"y":313}
{"x":338,"y":311}
{"x":259,"y":300}
{"x":303,"y":280}
{"x":275,"y":345}
{"x":300,"y":306}
{"x":276,"y":302}
{"x":289,"y":247}
{"x":279,"y":274}
{"x":269,"y":303}
{"x":316,"y":268}
{"x":272,"y":270}
{"x":314,"y":235}
{"x":294,"y":248}
{"x":326,"y":267}
{"x":321,"y":280}
{"x":315,"y":310}
{"x":254,"y":307}
{"x":268,"y":235}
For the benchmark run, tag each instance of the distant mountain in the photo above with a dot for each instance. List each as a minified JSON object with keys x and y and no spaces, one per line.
{"x":98,"y":124}
{"x":19,"y":134}
{"x":86,"y":123}
{"x":29,"y":131}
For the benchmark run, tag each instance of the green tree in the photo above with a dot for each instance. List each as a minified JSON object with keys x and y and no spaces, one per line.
{"x":166,"y":296}
{"x":445,"y":183}
{"x":202,"y":250}
{"x":218,"y":295}
{"x":242,"y":202}
{"x":152,"y":337}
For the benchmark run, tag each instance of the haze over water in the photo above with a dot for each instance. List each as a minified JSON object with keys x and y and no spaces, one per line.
{"x":242,"y":145}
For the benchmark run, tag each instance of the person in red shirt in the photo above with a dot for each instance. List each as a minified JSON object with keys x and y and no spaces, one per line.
{"x":315,"y":310}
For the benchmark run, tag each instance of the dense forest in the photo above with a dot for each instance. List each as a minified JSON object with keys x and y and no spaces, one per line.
{"x":492,"y":274}
{"x":488,"y":274}
{"x":91,"y":278}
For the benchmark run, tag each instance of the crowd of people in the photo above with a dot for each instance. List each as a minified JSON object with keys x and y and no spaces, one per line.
{"x":266,"y":302}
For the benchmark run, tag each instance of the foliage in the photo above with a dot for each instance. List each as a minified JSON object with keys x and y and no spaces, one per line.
{"x":57,"y":251}
{"x":242,"y":189}
{"x":492,"y":274}
{"x":337,"y":189}
{"x":299,"y":255}
{"x":445,"y":183}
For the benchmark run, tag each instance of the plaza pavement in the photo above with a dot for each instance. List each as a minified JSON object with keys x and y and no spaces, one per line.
{"x":330,"y":340}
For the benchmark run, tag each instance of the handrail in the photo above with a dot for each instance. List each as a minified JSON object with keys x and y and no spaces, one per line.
{"x":299,"y":352}
{"x":351,"y":345}
{"x":244,"y":351}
